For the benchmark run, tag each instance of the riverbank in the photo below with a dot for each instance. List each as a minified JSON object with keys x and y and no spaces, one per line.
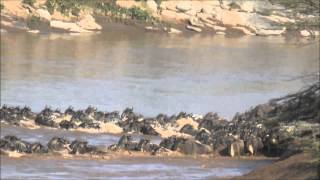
{"x":223,"y":18}
{"x":300,"y":166}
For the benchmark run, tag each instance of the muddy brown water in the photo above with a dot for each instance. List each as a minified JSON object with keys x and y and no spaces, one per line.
{"x":154,"y":73}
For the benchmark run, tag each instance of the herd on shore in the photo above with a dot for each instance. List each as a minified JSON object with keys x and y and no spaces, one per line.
{"x":282,"y":127}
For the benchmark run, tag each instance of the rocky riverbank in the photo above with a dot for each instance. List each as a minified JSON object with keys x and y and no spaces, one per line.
{"x":220,"y":17}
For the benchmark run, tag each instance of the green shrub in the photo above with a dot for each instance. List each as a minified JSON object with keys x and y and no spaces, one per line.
{"x":305,"y":6}
{"x":29,"y":2}
{"x":1,"y":6}
{"x":33,"y":22}
{"x":108,"y":7}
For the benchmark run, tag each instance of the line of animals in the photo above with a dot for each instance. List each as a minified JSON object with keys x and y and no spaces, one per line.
{"x":265,"y":129}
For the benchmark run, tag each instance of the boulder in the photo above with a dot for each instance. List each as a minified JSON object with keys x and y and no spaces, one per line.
{"x":183,"y":6}
{"x":280,"y":19}
{"x":174,"y":31}
{"x":88,"y":22}
{"x":193,"y":28}
{"x":219,"y":28}
{"x":169,"y":5}
{"x":127,"y":3}
{"x":152,"y":6}
{"x":194,"y":21}
{"x":43,"y":14}
{"x":67,"y":26}
{"x":244,"y":30}
{"x":172,"y":15}
{"x":266,"y":32}
{"x":305,"y":33}
{"x":205,"y":18}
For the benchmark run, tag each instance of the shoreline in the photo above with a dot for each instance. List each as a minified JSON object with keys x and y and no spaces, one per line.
{"x":220,"y":20}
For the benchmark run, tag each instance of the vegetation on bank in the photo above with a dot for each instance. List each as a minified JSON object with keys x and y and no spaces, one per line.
{"x":310,"y":23}
{"x":305,"y":6}
{"x":29,"y":2}
{"x":98,"y":6}
{"x":1,"y":6}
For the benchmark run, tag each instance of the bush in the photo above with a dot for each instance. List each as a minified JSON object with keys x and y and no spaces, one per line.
{"x":29,"y":2}
{"x":35,"y":22}
{"x":1,"y":6}
{"x":108,"y":7}
{"x":305,"y":6}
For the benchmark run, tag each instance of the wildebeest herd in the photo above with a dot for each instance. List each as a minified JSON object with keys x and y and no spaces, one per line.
{"x":281,"y":127}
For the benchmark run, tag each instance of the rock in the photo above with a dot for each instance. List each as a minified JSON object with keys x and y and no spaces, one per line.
{"x":315,"y":33}
{"x":250,"y":20}
{"x":14,"y":24}
{"x":151,"y":28}
{"x":88,"y":22}
{"x":152,"y":6}
{"x":43,"y":14}
{"x":193,"y":28}
{"x":220,"y":33}
{"x":244,"y":30}
{"x":219,"y":28}
{"x":184,"y":6}
{"x":174,"y":31}
{"x":305,"y":33}
{"x":191,"y":12}
{"x":34,"y":31}
{"x":265,"y":32}
{"x":172,"y":15}
{"x":232,"y":18}
{"x":208,"y":10}
{"x":205,"y":18}
{"x":67,"y":26}
{"x":280,"y":19}
{"x":194,"y":21}
{"x":127,"y":3}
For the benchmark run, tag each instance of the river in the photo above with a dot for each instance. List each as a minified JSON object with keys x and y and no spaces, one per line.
{"x":154,"y":73}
